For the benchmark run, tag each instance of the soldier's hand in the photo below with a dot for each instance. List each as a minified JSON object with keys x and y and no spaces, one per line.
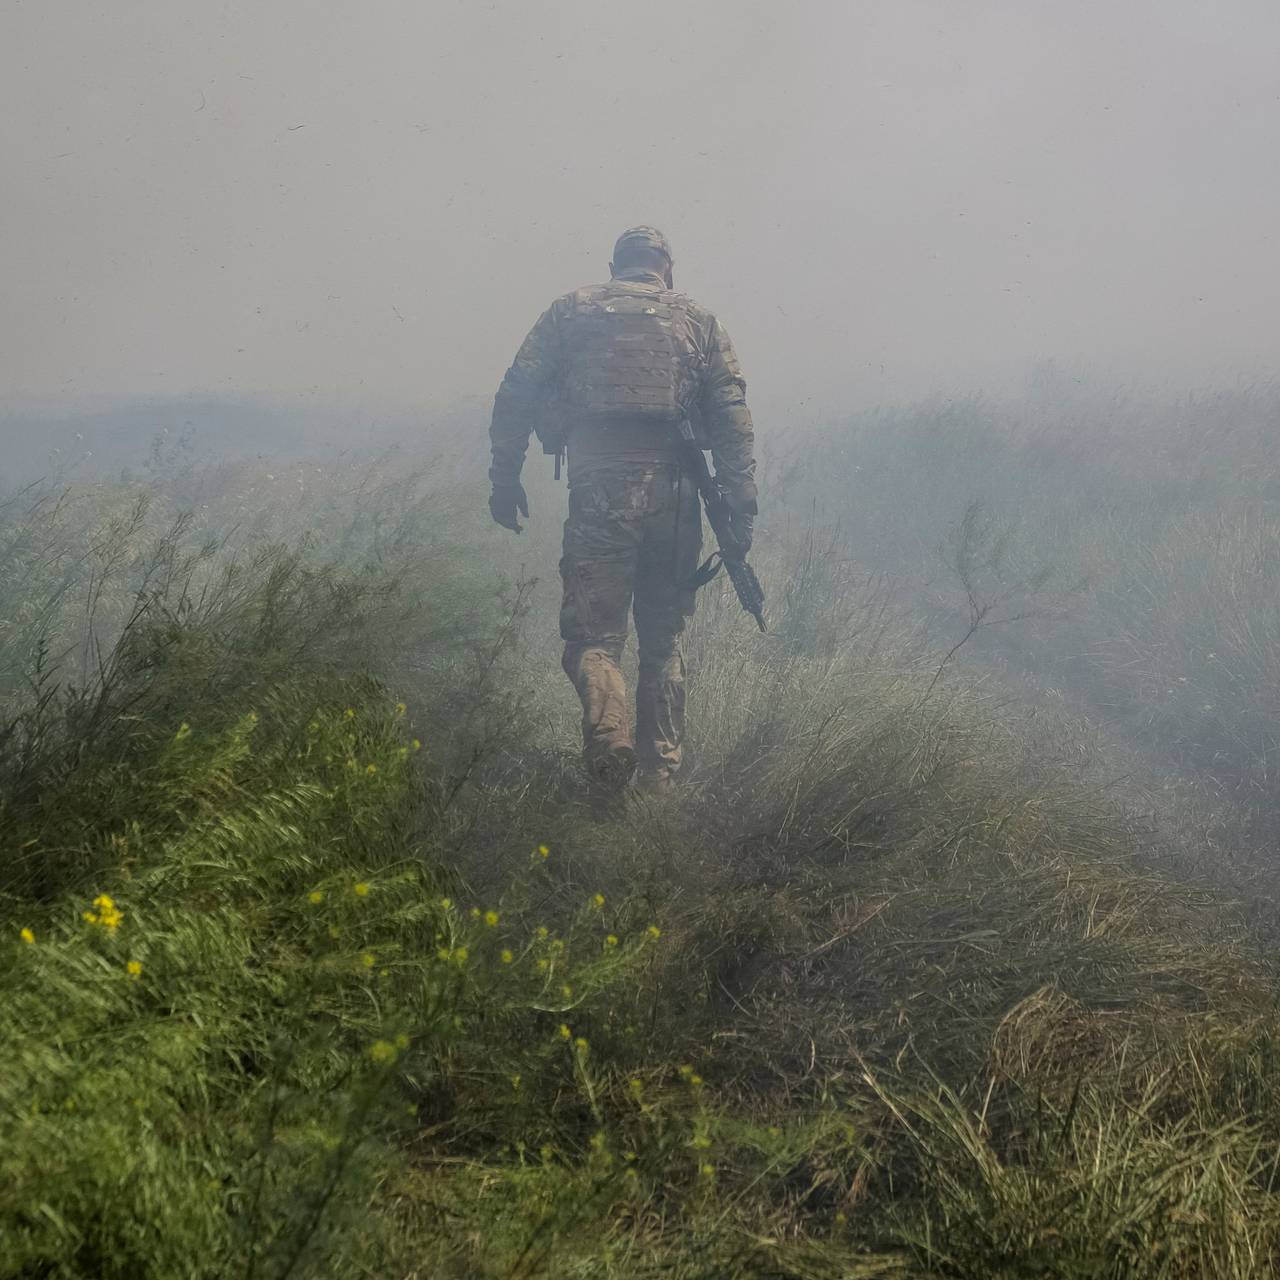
{"x":742,"y":527}
{"x":505,"y":501}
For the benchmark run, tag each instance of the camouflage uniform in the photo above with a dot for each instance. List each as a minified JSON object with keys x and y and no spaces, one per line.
{"x":634,"y":530}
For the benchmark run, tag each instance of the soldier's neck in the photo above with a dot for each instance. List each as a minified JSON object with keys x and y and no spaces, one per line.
{"x":639,"y":275}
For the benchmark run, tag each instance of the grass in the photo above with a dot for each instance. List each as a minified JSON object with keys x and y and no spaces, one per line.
{"x":331,"y":967}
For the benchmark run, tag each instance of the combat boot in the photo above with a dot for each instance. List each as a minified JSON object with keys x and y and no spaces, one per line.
{"x":612,"y":767}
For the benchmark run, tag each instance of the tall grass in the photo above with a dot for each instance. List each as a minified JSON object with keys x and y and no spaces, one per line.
{"x":331,"y":966}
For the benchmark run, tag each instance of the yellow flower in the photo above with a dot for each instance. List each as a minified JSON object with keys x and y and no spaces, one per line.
{"x":475,"y":913}
{"x":184,"y":731}
{"x":382,"y":1051}
{"x":461,"y":954}
{"x":611,"y":940}
{"x":349,"y":713}
{"x":636,"y":1085}
{"x":402,"y":1041}
{"x":400,"y":708}
{"x":368,"y":959}
{"x":543,"y":966}
{"x":565,"y":1033}
{"x":417,"y":746}
{"x":371,"y":769}
{"x":108,"y":915}
{"x":507,"y":957}
{"x":581,"y":1044}
{"x":566,"y":991}
{"x":447,"y":903}
{"x":695,"y":1080}
{"x":134,"y":968}
{"x":491,"y":918}
{"x":27,"y":936}
{"x":653,"y":931}
{"x":598,"y":900}
{"x":543,"y":931}
{"x":544,"y":851}
{"x":708,"y":1171}
{"x":362,"y":890}
{"x":315,"y":897}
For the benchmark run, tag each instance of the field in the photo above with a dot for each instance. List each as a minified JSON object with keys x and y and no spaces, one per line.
{"x":955,"y":955}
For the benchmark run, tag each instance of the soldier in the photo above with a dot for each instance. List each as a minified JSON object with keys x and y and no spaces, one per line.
{"x":607,"y":374}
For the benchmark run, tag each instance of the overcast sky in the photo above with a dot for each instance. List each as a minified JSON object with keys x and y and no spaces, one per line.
{"x":371,"y":202}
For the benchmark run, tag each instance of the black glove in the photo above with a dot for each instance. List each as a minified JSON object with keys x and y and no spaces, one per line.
{"x":505,"y":501}
{"x":741,"y":526}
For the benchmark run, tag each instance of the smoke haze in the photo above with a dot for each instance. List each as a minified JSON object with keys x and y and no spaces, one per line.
{"x":372,"y":203}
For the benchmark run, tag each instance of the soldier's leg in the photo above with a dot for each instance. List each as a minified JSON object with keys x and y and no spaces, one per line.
{"x":668,"y":558}
{"x":601,"y":547}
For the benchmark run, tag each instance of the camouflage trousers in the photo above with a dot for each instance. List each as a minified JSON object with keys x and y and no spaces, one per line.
{"x":633,"y":536}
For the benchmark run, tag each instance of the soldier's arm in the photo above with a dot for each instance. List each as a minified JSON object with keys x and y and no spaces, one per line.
{"x":522,"y":396}
{"x":727,"y":420}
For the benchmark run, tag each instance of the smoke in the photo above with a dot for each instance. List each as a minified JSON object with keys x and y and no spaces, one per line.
{"x":371,"y":204}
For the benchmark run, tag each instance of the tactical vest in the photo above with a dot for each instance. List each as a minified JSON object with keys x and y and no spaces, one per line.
{"x":626,"y":355}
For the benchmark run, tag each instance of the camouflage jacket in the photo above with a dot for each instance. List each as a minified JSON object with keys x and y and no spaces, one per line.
{"x":720,"y":407}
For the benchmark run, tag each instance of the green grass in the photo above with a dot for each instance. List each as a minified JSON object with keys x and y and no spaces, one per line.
{"x":921,"y":975}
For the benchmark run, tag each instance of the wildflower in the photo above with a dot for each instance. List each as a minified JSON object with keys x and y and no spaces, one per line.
{"x":774,"y":1131}
{"x":611,"y":940}
{"x":403,"y":752}
{"x":382,"y":1051}
{"x":368,"y":959}
{"x":447,"y":903}
{"x":460,"y":955}
{"x":184,"y":731}
{"x":841,"y":1218}
{"x":708,"y":1171}
{"x":315,"y":897}
{"x":543,"y":966}
{"x":361,"y":890}
{"x":475,"y":913}
{"x":653,"y":931}
{"x":417,"y":746}
{"x":506,"y":957}
{"x":546,"y":1151}
{"x":371,"y":769}
{"x":567,"y":991}
{"x":27,"y":936}
{"x":543,"y":931}
{"x":491,"y":918}
{"x":581,"y":1044}
{"x":695,"y":1080}
{"x":597,"y":1141}
{"x":598,"y":900}
{"x":685,"y":1072}
{"x":443,"y":953}
{"x":349,"y":713}
{"x":402,"y":1041}
{"x":134,"y":968}
{"x":700,"y":1141}
{"x":400,"y":708}
{"x":636,"y":1085}
{"x":108,"y":915}
{"x":543,"y":851}
{"x":565,"y":1033}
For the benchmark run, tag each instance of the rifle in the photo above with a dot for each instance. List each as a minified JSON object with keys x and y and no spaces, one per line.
{"x":741,"y":574}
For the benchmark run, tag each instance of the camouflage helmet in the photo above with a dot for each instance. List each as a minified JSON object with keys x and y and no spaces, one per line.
{"x":642,"y":237}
